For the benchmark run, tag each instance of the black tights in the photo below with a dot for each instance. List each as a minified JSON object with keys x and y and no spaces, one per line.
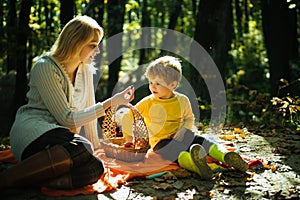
{"x":170,"y":148}
{"x":86,"y":168}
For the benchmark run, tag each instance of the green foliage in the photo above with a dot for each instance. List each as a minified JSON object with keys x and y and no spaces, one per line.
{"x":245,"y":104}
{"x":247,"y":81}
{"x":256,"y":108}
{"x":247,"y":76}
{"x":132,"y":16}
{"x":289,"y":109}
{"x":4,"y":143}
{"x":205,"y":112}
{"x":250,"y":55}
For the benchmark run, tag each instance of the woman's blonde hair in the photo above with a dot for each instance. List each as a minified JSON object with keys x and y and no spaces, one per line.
{"x":75,"y":34}
{"x":166,"y":67}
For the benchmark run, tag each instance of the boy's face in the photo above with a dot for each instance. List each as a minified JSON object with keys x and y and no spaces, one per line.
{"x":160,"y":89}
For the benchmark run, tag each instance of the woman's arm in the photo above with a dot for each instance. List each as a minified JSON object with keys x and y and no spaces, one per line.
{"x":51,"y":85}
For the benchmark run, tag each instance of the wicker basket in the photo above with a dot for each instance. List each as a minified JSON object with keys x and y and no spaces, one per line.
{"x":113,"y":144}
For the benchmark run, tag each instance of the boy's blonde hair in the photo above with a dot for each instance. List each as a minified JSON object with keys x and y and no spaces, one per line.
{"x":166,"y":67}
{"x":76,"y":33}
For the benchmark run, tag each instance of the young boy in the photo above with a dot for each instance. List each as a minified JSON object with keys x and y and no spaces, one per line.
{"x":169,"y":119}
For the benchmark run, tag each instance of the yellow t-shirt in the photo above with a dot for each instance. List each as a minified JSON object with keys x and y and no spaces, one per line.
{"x":163,"y":117}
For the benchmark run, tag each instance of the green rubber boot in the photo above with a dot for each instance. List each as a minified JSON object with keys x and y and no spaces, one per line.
{"x":195,"y":161}
{"x":230,"y":158}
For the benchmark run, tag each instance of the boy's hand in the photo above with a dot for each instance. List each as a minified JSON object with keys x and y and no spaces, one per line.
{"x":179,"y":136}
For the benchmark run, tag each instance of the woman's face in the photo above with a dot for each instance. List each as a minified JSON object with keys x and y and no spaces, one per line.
{"x":160,"y":89}
{"x":90,"y":50}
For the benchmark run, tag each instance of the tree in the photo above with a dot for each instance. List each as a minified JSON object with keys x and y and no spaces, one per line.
{"x":175,"y":12}
{"x":214,"y":32}
{"x":115,"y":21}
{"x":1,"y":30}
{"x":11,"y":35}
{"x":293,"y":17}
{"x":145,"y":38}
{"x":275,"y":27}
{"x":23,"y":33}
{"x":241,"y":11}
{"x":95,"y":8}
{"x":66,"y":11}
{"x":292,"y":31}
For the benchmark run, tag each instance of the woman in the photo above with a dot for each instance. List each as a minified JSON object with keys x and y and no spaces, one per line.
{"x":61,"y":102}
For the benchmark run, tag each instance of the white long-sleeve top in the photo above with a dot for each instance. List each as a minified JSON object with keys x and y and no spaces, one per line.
{"x":53,"y":101}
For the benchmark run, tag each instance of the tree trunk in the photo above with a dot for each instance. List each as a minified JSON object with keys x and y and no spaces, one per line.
{"x":292,"y":34}
{"x":174,"y":14}
{"x":23,"y":33}
{"x":11,"y":36}
{"x":145,"y":38}
{"x":275,"y":28}
{"x":144,"y":53}
{"x":214,"y":32}
{"x":66,"y":11}
{"x":115,"y":21}
{"x":1,"y":17}
{"x":246,"y":20}
{"x":239,"y":18}
{"x":100,"y":14}
{"x":95,"y":8}
{"x":293,"y":47}
{"x":40,"y":14}
{"x":47,"y":17}
{"x":1,"y":30}
{"x":194,"y":9}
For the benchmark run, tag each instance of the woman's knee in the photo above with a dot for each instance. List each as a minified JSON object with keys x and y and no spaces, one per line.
{"x":87,"y":174}
{"x":98,"y":167}
{"x":78,"y":153}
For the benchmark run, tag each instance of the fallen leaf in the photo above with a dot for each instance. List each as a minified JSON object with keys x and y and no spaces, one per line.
{"x":169,"y":176}
{"x":163,"y":186}
{"x":181,"y":173}
{"x":226,"y":191}
{"x":159,"y":179}
{"x":237,"y":130}
{"x":178,"y":184}
{"x":229,"y":132}
{"x":227,"y":137}
{"x":246,"y":149}
{"x":266,"y":166}
{"x":273,"y":168}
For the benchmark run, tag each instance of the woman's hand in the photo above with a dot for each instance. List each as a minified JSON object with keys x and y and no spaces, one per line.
{"x":124,"y":97}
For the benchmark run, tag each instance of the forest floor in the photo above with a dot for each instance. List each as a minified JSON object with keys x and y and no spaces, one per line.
{"x":279,"y":149}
